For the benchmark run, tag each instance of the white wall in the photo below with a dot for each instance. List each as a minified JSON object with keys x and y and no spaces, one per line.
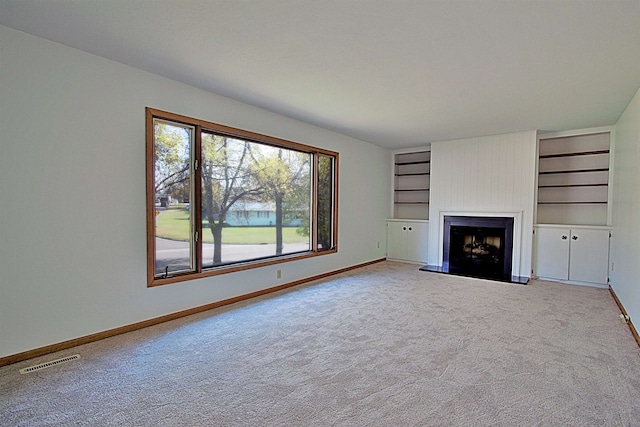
{"x":72,"y":194}
{"x":484,"y":174}
{"x":625,"y":243}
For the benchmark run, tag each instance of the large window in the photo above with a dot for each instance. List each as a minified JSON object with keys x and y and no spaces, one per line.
{"x":221,"y":199}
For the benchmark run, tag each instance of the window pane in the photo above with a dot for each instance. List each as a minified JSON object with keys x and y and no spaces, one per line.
{"x":325,"y":202}
{"x":218,"y":197}
{"x":173,"y":191}
{"x":255,"y":200}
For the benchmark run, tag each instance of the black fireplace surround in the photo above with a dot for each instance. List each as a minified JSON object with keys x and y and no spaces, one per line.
{"x":478,"y":246}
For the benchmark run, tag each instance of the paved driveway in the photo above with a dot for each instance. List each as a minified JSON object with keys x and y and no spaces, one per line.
{"x":176,"y":254}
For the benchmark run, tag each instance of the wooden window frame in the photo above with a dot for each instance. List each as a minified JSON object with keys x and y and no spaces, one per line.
{"x":206,"y":126}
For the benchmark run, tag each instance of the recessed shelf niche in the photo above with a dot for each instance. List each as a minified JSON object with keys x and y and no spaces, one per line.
{"x":411,"y":185}
{"x":573,"y":179}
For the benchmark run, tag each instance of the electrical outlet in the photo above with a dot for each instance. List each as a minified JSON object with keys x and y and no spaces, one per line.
{"x":279,"y":274}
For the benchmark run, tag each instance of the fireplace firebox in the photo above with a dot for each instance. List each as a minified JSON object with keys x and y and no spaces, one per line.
{"x":478,"y":246}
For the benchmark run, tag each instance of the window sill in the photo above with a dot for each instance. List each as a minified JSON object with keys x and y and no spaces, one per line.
{"x":232,"y":268}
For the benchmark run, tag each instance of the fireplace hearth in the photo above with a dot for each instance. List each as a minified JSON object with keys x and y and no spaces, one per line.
{"x":479,"y":247}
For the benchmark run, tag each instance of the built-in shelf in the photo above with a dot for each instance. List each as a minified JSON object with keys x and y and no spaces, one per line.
{"x":411,"y":185}
{"x":575,"y":171}
{"x":411,"y":174}
{"x":572,"y":203}
{"x":573,"y":185}
{"x":422,"y":162}
{"x":578,"y":153}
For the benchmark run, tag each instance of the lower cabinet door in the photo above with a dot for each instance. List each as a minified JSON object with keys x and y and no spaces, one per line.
{"x":552,"y":253}
{"x":589,"y":258}
{"x":396,"y":240}
{"x":417,"y":238}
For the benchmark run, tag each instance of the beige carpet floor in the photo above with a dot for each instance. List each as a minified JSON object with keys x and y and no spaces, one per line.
{"x":383,"y":345}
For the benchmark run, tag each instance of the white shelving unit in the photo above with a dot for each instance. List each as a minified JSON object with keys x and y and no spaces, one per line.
{"x":573,"y":206}
{"x":408,"y":227}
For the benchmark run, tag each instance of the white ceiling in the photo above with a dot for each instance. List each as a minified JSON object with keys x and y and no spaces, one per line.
{"x":397,"y":73}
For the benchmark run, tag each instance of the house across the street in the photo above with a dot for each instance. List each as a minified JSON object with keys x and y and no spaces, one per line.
{"x":259,"y":214}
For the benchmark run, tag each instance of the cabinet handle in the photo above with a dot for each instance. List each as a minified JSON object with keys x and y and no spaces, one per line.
{"x":404,"y":228}
{"x":564,"y":237}
{"x":574,"y":237}
{"x":410,"y":228}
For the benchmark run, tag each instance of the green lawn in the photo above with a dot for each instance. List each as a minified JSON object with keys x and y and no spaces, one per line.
{"x":174,"y":224}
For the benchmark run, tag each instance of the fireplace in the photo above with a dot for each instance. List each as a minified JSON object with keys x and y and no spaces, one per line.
{"x":478,"y":246}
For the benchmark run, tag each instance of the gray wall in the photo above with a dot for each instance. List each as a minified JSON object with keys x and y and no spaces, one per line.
{"x":625,"y":243}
